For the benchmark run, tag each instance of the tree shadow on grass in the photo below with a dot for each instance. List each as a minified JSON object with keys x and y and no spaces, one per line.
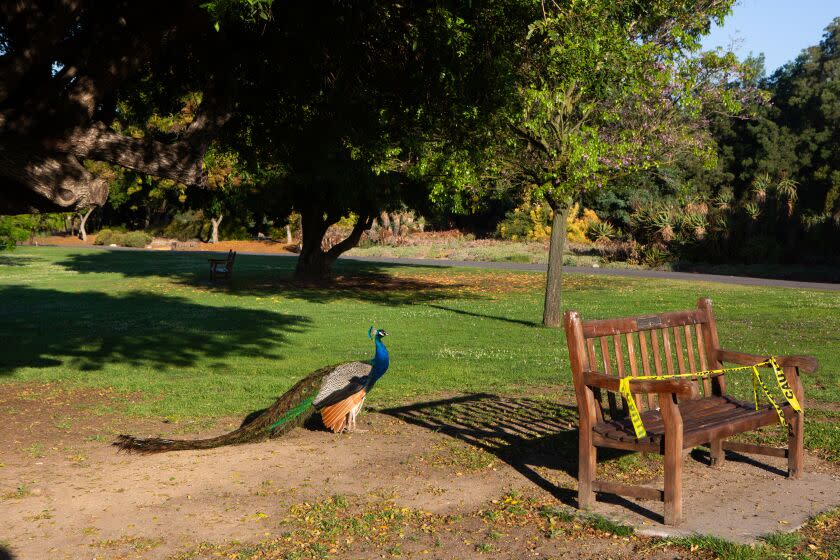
{"x":15,"y":260}
{"x":90,"y":330}
{"x":272,"y":275}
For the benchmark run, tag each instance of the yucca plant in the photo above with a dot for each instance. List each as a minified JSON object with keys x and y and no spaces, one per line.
{"x":697,"y":224}
{"x":786,"y":190}
{"x":724,"y":197}
{"x":663,"y":222}
{"x":601,"y":232}
{"x":760,"y":186}
{"x":698,"y":205}
{"x":752,"y":210}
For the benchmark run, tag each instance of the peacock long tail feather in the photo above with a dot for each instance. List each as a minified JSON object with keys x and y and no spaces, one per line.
{"x":292,"y":409}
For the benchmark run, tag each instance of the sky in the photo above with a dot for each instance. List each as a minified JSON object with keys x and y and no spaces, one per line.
{"x":778,"y":28}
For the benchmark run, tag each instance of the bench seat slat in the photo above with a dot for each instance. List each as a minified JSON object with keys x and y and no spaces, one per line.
{"x":701,"y":419}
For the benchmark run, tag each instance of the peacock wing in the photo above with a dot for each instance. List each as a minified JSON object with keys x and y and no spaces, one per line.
{"x":343,"y":381}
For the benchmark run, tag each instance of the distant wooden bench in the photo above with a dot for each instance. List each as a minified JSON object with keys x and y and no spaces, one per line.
{"x":222,"y":268}
{"x":689,"y":412}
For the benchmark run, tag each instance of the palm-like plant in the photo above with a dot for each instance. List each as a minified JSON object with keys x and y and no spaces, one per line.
{"x":697,"y":224}
{"x":663,"y":223}
{"x":786,"y":190}
{"x":752,"y":210}
{"x":760,"y":186}
{"x":601,"y":232}
{"x":724,"y":198}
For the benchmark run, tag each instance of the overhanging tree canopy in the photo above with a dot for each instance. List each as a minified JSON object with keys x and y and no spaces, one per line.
{"x":63,"y":66}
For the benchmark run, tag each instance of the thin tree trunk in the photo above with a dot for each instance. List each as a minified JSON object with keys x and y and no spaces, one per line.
{"x":214,"y":223}
{"x":288,"y":234}
{"x":554,"y":278}
{"x":84,"y":217}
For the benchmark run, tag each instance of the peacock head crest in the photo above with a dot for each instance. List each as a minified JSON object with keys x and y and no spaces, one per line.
{"x":375,"y":333}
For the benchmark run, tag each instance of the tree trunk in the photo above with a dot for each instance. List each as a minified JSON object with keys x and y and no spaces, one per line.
{"x":314,"y":263}
{"x":288,"y":234}
{"x":554,"y":278}
{"x":84,"y":217}
{"x":214,"y":224}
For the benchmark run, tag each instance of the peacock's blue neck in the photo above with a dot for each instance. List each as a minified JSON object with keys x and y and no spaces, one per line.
{"x":379,"y":361}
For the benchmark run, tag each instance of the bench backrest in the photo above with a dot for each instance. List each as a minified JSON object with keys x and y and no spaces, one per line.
{"x":660,"y":344}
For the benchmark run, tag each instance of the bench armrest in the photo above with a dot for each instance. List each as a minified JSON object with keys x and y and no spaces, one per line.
{"x":216,"y":261}
{"x":808,"y":364}
{"x":681,"y":388}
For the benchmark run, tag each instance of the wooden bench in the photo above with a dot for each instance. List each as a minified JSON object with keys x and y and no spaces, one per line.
{"x":222,"y":268}
{"x":678,"y":414}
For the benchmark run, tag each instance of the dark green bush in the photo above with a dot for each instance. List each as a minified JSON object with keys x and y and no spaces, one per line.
{"x":127,"y":239}
{"x":186,"y":226}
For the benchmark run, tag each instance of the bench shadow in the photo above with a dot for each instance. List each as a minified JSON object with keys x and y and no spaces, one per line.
{"x":88,"y":331}
{"x":525,"y":433}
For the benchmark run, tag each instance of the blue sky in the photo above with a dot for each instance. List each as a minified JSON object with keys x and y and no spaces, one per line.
{"x":778,"y":28}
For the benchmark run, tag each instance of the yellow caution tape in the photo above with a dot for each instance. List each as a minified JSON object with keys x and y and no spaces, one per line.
{"x":781,"y":380}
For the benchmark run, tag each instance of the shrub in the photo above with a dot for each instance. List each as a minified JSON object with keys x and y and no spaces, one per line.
{"x":127,"y":239}
{"x":580,"y":222}
{"x":105,"y":237}
{"x":135,"y":239}
{"x":532,"y":222}
{"x":186,"y":226}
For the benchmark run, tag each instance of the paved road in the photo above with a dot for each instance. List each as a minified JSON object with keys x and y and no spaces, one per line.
{"x":631,"y":272}
{"x":626,"y":272}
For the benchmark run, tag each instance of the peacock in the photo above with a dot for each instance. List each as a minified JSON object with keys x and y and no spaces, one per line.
{"x":337,"y":392}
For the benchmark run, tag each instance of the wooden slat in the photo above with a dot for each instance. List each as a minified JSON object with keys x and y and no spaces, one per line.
{"x":710,"y":342}
{"x":692,"y":364}
{"x":654,"y":342}
{"x":634,"y":367}
{"x":669,"y":356}
{"x":645,"y":446}
{"x":640,"y":492}
{"x":756,"y":449}
{"x":619,"y":364}
{"x":701,"y":348}
{"x":593,"y":361}
{"x":645,"y":363}
{"x":679,"y":350}
{"x":605,"y":360}
{"x":622,"y":325}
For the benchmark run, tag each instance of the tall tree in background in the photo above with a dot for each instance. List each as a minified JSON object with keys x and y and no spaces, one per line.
{"x":609,"y":87}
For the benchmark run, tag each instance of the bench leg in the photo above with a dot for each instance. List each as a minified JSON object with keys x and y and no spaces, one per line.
{"x":587,"y":461}
{"x":673,"y":480}
{"x":716,"y":453}
{"x":796,"y":446}
{"x":673,"y":458}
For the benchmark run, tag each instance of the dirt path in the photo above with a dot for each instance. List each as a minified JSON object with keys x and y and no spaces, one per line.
{"x":458,"y":477}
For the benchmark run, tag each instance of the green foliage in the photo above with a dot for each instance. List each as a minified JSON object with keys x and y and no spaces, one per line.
{"x":186,"y":225}
{"x":123,"y":239}
{"x":13,"y":230}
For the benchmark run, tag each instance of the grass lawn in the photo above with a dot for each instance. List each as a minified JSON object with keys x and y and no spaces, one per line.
{"x":149,"y":326}
{"x":150,"y":323}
